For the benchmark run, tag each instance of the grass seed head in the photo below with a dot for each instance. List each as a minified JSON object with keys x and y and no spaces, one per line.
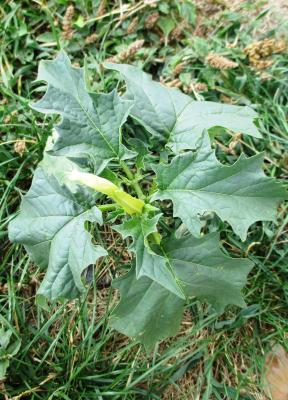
{"x":197,"y":87}
{"x":177,"y":33}
{"x":175,"y":83}
{"x":20,"y":147}
{"x":101,"y":8}
{"x":67,"y":32}
{"x":91,"y":38}
{"x":133,"y":25}
{"x":127,"y":53}
{"x":179,"y":68}
{"x":219,"y":62}
{"x":201,"y":87}
{"x":258,"y":52}
{"x":265,"y":76}
{"x":151,"y":20}
{"x":4,"y":102}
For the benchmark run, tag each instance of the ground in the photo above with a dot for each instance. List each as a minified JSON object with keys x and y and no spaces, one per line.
{"x":68,"y":351}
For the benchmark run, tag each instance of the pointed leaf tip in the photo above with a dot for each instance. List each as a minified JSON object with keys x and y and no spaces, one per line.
{"x":177,"y":119}
{"x":51,"y":226}
{"x":148,"y":263}
{"x":91,"y":123}
{"x":147,"y":311}
{"x":240,"y":194}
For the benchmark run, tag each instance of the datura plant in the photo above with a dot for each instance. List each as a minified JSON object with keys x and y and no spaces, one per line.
{"x":158,"y":184}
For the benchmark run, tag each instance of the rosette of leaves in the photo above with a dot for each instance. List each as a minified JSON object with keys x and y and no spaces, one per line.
{"x":93,"y":172}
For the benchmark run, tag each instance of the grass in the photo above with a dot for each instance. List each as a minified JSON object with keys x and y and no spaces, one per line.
{"x":67,"y":351}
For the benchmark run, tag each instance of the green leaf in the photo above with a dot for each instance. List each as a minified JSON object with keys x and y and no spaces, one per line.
{"x":60,"y":168}
{"x":149,"y":264}
{"x":4,"y":364}
{"x":79,"y":180}
{"x":147,"y":311}
{"x":51,"y":226}
{"x":206,"y":272}
{"x":14,"y":347}
{"x":141,"y":149}
{"x":166,"y":24}
{"x":188,"y":12}
{"x":5,"y":337}
{"x":174,"y":117}
{"x":91,"y":123}
{"x":240,"y":194}
{"x":7,"y":350}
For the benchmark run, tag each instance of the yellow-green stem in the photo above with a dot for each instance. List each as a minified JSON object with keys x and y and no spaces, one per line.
{"x":108,"y":207}
{"x":131,"y":177}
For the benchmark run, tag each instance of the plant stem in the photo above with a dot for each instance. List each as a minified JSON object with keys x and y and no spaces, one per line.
{"x":130,"y":176}
{"x":108,"y":207}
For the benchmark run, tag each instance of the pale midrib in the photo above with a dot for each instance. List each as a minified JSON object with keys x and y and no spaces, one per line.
{"x":164,"y":256}
{"x":153,"y":107}
{"x":63,"y":265}
{"x":177,"y":117}
{"x":96,"y":128}
{"x":197,"y":191}
{"x":210,"y":268}
{"x":217,"y":164}
{"x":91,"y":119}
{"x":72,"y":219}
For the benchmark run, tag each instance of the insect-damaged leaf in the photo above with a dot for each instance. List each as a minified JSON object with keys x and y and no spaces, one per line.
{"x":240,"y":194}
{"x":149,"y":312}
{"x":91,"y":123}
{"x":174,"y":117}
{"x":51,"y":227}
{"x":154,"y":266}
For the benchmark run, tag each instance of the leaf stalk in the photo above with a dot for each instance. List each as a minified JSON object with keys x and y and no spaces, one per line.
{"x":133,"y":182}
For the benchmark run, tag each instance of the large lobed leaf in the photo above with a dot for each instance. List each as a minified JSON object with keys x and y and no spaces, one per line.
{"x":149,"y":312}
{"x":51,"y":226}
{"x":206,"y":272}
{"x":91,"y":123}
{"x":174,"y":117}
{"x":240,"y":194}
{"x":148,"y":263}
